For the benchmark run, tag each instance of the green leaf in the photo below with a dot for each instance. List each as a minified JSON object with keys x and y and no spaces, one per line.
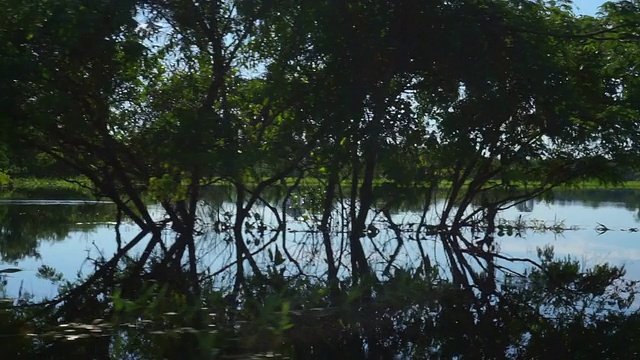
{"x":4,"y":179}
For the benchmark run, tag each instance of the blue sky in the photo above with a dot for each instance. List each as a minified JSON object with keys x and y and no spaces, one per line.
{"x":587,"y":7}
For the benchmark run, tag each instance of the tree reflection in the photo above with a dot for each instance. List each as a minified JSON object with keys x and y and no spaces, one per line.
{"x":23,"y":227}
{"x":526,"y":206}
{"x":467,"y":300}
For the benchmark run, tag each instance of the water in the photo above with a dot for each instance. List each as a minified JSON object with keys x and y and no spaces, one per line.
{"x":618,"y":246}
{"x":69,"y":235}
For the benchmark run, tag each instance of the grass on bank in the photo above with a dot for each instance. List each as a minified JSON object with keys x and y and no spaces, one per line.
{"x":77,"y":186}
{"x":45,"y":187}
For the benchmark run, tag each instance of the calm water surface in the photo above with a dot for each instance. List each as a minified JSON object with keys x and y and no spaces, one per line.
{"x":68,"y":235}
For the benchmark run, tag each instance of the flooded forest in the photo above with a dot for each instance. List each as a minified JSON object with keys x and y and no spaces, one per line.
{"x":250,"y":179}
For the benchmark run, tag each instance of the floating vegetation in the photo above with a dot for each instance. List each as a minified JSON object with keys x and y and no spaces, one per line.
{"x":519,"y":226}
{"x":601,"y":229}
{"x":10,"y":270}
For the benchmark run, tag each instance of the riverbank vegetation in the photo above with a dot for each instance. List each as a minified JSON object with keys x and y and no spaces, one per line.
{"x":81,"y":187}
{"x":486,"y":103}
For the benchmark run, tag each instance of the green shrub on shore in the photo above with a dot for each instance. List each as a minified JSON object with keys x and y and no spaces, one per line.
{"x":80,"y":186}
{"x":45,"y":187}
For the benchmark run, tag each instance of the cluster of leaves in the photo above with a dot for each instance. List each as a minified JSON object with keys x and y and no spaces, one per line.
{"x":256,"y":89}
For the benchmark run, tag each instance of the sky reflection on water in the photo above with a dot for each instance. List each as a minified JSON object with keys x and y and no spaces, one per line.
{"x":618,"y":247}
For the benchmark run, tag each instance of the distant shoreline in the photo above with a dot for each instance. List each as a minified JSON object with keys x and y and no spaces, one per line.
{"x":80,"y":187}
